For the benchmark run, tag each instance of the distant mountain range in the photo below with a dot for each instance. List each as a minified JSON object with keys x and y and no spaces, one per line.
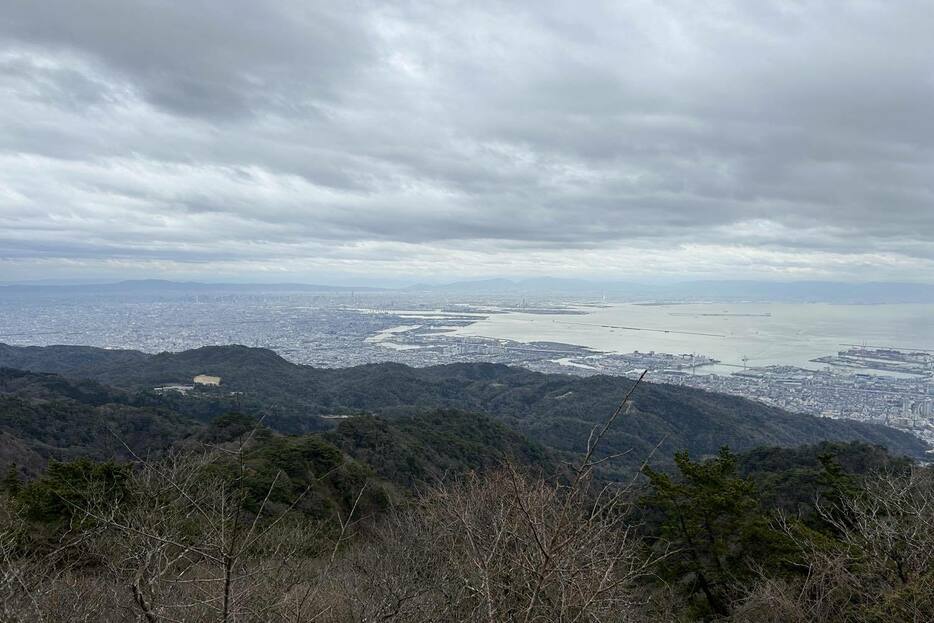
{"x":758,"y":291}
{"x":159,"y":286}
{"x":555,"y":411}
{"x":719,"y":291}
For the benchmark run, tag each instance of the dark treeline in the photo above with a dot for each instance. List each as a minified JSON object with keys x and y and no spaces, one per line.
{"x":556,"y":411}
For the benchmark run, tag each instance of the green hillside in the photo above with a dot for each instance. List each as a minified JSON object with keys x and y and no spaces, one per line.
{"x":46,"y":417}
{"x":557,"y":411}
{"x":437,"y":445}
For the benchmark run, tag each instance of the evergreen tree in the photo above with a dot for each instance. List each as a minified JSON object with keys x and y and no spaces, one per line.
{"x":718,"y":533}
{"x":11,"y":482}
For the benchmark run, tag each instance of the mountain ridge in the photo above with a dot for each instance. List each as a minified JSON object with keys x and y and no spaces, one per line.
{"x":556,"y":410}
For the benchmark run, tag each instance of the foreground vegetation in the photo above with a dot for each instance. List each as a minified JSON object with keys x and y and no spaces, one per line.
{"x":248,"y":525}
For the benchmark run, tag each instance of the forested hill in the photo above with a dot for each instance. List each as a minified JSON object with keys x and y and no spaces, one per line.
{"x":555,"y":410}
{"x":46,"y":417}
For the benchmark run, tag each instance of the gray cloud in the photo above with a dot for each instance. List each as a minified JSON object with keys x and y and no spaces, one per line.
{"x":201,"y":58}
{"x":737,"y":139}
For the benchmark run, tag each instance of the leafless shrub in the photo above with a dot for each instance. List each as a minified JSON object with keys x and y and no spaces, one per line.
{"x":879,"y":567}
{"x":184,"y":548}
{"x":501,"y":547}
{"x":52,"y":587}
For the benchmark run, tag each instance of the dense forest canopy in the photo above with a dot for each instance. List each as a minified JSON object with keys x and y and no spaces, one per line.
{"x":556,"y":411}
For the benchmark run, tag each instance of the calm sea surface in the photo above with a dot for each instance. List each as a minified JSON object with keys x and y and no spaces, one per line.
{"x":767,"y":334}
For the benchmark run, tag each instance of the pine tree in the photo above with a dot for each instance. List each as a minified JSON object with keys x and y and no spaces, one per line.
{"x":11,"y":482}
{"x":719,"y":534}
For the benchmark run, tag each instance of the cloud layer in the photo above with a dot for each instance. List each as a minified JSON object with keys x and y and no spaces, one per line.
{"x":402,"y":139}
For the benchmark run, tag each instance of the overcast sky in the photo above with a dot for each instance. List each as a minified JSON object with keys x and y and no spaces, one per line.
{"x":352,"y":141}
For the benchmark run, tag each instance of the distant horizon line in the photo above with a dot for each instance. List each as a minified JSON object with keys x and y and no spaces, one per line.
{"x":78,"y":282}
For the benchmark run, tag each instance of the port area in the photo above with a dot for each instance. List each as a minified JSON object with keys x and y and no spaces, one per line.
{"x":880,"y":385}
{"x":882,"y":359}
